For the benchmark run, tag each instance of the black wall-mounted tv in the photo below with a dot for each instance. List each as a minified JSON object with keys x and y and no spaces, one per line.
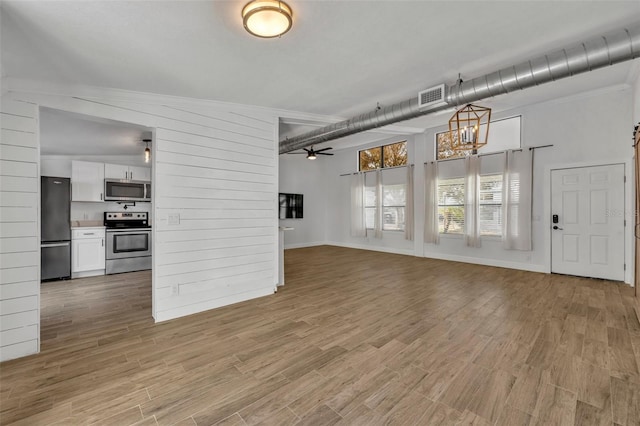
{"x":290,"y":206}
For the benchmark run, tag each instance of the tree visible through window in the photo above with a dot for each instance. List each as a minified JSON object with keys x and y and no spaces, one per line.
{"x":391,"y":155}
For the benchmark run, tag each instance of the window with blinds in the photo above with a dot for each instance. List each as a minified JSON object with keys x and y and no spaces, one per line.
{"x":451,"y":205}
{"x":491,"y":205}
{"x":393,"y":207}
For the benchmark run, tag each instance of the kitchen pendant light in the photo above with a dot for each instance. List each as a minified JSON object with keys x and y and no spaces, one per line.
{"x":147,"y":151}
{"x":267,"y":18}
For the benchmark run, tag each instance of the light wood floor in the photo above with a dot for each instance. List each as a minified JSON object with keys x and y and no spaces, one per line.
{"x":355,"y":337}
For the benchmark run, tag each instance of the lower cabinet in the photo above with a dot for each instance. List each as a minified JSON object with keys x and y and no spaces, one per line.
{"x":87,"y":252}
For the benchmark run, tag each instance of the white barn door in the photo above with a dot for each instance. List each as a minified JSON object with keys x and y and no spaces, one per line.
{"x":587,"y":229}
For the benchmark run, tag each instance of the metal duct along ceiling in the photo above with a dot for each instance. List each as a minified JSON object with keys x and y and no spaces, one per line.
{"x":611,"y":48}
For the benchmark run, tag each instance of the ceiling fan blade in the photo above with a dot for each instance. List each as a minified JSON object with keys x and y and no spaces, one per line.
{"x":297,"y":153}
{"x":307,"y":150}
{"x":323,"y":153}
{"x":323,"y":149}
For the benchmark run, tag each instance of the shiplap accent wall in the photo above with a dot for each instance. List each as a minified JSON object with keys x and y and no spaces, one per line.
{"x":19,"y":230}
{"x":215,"y":170}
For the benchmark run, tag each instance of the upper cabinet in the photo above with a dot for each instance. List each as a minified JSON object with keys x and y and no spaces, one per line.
{"x":139,"y":173}
{"x":117,"y":171}
{"x":87,"y":181}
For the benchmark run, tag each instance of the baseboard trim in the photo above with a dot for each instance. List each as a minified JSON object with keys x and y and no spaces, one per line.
{"x":303,"y":245}
{"x":489,"y":262}
{"x":406,"y":252}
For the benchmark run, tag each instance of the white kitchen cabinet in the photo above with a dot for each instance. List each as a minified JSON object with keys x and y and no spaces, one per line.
{"x":118,"y":171}
{"x":87,"y":181}
{"x":140,"y":173}
{"x":87,"y":251}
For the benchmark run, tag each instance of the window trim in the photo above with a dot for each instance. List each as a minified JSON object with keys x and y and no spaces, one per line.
{"x":381,"y":148}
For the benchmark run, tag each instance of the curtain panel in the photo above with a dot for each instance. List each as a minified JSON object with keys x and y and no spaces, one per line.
{"x":409,"y":210}
{"x":431,"y":231}
{"x":516,"y":200}
{"x":358,"y":225}
{"x":472,"y":201}
{"x":377,"y":224}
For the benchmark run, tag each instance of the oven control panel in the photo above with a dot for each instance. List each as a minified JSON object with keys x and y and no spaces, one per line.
{"x":125,"y":220}
{"x":126,"y":216}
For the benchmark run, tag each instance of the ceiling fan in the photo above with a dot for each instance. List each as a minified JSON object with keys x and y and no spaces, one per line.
{"x":312,"y":154}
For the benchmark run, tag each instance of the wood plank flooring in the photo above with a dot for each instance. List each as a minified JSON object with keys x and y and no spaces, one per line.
{"x":354,"y":338}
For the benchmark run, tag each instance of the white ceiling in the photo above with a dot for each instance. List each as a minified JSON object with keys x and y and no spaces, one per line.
{"x":64,"y":133}
{"x":340,"y":58}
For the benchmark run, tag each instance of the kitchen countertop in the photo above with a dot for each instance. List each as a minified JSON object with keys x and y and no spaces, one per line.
{"x":87,"y":224}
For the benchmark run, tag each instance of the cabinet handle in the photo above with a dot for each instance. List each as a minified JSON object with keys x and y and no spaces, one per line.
{"x":88,"y":233}
{"x":103,"y":242}
{"x":131,"y":175}
{"x":101,"y":196}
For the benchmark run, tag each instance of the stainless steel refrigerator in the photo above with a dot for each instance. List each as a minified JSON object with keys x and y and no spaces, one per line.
{"x":55,"y":231}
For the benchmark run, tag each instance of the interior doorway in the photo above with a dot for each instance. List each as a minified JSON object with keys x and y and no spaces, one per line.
{"x":588,"y":221}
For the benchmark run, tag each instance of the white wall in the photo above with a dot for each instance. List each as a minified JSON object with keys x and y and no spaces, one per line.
{"x":215,"y":170}
{"x":592,"y":128}
{"x":301,"y":176}
{"x":636,"y":101}
{"x":19,"y":230}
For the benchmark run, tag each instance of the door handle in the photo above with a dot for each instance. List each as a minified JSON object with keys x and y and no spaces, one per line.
{"x":54,"y":245}
{"x":557,"y":228}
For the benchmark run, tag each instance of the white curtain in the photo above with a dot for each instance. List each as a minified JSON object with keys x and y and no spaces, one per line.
{"x":472,"y":202}
{"x":431,"y":231}
{"x":408,"y":209}
{"x":516,"y":200}
{"x":358,"y":227}
{"x":377,"y":224}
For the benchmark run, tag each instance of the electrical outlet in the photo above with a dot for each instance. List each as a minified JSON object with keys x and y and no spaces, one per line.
{"x":173,"y":219}
{"x":175,"y":289}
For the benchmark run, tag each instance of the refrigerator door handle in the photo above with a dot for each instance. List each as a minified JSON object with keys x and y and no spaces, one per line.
{"x":54,"y":245}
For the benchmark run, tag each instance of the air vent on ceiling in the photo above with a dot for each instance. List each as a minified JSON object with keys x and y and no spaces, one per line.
{"x":432,"y":96}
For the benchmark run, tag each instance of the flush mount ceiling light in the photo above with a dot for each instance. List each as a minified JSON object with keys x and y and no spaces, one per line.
{"x":267,"y":18}
{"x":469,"y":128}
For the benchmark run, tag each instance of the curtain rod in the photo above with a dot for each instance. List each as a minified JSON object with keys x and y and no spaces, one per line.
{"x":383,"y":169}
{"x":531,"y":148}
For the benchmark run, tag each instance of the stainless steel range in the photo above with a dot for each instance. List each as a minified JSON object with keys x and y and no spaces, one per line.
{"x":128,"y":242}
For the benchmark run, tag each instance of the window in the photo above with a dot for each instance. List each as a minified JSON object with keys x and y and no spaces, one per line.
{"x":503,"y":134}
{"x":491,"y":205}
{"x":393,"y":205}
{"x":394,"y":200}
{"x":370,"y":206}
{"x":451,"y":205}
{"x":391,"y":155}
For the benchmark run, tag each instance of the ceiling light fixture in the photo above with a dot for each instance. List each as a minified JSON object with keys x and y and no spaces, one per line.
{"x":267,"y":18}
{"x":469,"y":128}
{"x":147,"y":151}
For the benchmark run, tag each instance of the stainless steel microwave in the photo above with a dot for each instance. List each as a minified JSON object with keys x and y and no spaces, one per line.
{"x":127,"y":190}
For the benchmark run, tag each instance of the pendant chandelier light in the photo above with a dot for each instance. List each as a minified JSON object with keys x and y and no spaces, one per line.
{"x":267,"y":18}
{"x":147,"y":151}
{"x":469,"y":128}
